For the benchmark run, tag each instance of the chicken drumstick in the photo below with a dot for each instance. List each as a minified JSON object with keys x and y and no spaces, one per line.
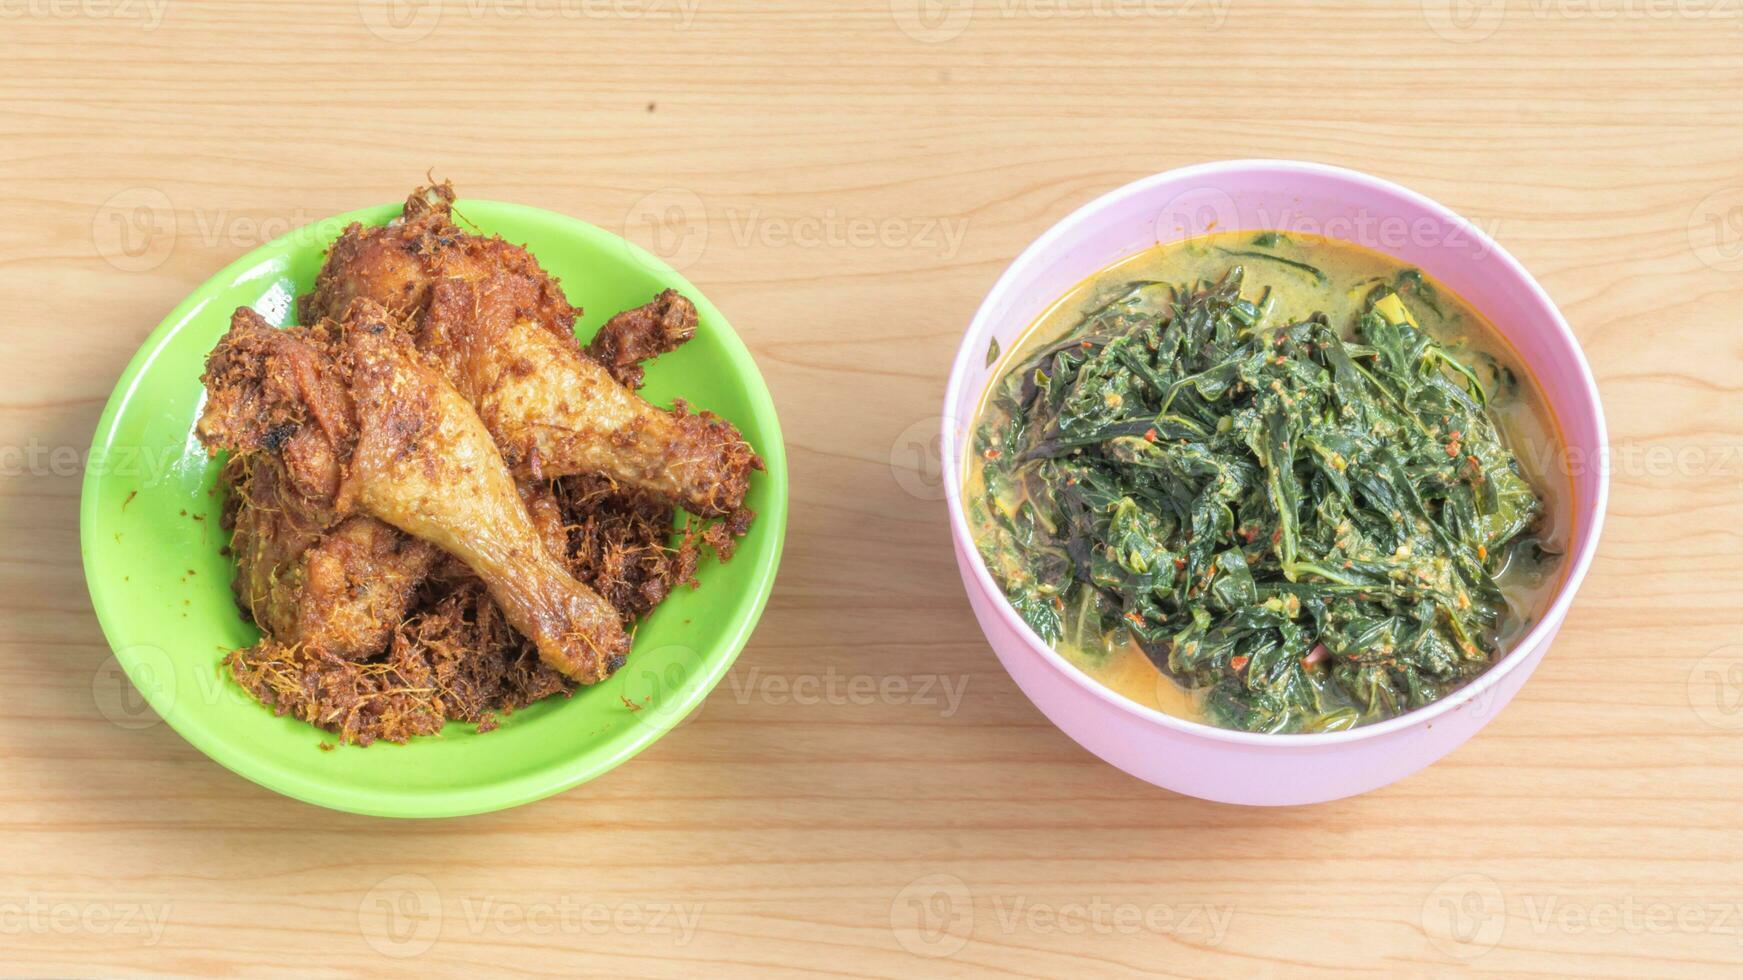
{"x":364,"y":425}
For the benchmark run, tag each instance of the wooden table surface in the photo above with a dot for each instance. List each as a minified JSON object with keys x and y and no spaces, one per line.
{"x":846,"y":180}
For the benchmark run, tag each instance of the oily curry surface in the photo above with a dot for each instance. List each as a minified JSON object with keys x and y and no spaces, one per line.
{"x":1268,"y":481}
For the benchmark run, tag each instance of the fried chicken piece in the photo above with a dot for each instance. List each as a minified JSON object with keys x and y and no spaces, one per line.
{"x":546,"y":513}
{"x":633,"y":336}
{"x":503,"y":332}
{"x":341,"y":590}
{"x":555,"y":412}
{"x":396,"y":265}
{"x":364,"y":425}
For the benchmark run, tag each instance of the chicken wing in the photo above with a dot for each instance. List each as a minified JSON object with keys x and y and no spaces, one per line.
{"x":364,"y":425}
{"x":503,"y":333}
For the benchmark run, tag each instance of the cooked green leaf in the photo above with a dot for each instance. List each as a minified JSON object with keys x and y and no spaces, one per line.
{"x":1305,"y":527}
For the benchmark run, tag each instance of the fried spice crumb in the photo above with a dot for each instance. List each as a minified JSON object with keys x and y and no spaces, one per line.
{"x":456,"y":658}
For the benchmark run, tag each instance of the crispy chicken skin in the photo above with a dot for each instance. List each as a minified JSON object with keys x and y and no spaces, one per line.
{"x":397,"y":264}
{"x":441,"y":507}
{"x":305,"y":575}
{"x":503,"y":333}
{"x":361,"y":424}
{"x":555,"y":412}
{"x":342,"y":590}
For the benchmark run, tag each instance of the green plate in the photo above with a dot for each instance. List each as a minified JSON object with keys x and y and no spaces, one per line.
{"x":149,"y":534}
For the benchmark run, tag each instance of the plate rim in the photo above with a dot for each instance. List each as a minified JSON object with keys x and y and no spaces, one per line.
{"x":544,"y":781}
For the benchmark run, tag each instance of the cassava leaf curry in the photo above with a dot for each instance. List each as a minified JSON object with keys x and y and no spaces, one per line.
{"x":1275,"y":483}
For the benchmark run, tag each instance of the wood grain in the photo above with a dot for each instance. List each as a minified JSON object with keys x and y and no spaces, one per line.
{"x":794,"y":827}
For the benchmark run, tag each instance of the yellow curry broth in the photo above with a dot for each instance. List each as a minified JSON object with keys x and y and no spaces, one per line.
{"x":1520,"y":411}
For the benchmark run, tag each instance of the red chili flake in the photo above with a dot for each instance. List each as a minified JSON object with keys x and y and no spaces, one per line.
{"x":1179,"y":563}
{"x":1277,"y":535}
{"x":1150,"y":435}
{"x":1239,"y":663}
{"x":993,"y":453}
{"x":1086,"y":345}
{"x":1136,"y":619}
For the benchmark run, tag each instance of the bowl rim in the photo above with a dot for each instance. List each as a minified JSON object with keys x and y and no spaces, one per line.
{"x":526,"y":787}
{"x":1030,"y":259}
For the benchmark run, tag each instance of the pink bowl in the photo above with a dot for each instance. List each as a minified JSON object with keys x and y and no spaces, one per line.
{"x":1240,"y":767}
